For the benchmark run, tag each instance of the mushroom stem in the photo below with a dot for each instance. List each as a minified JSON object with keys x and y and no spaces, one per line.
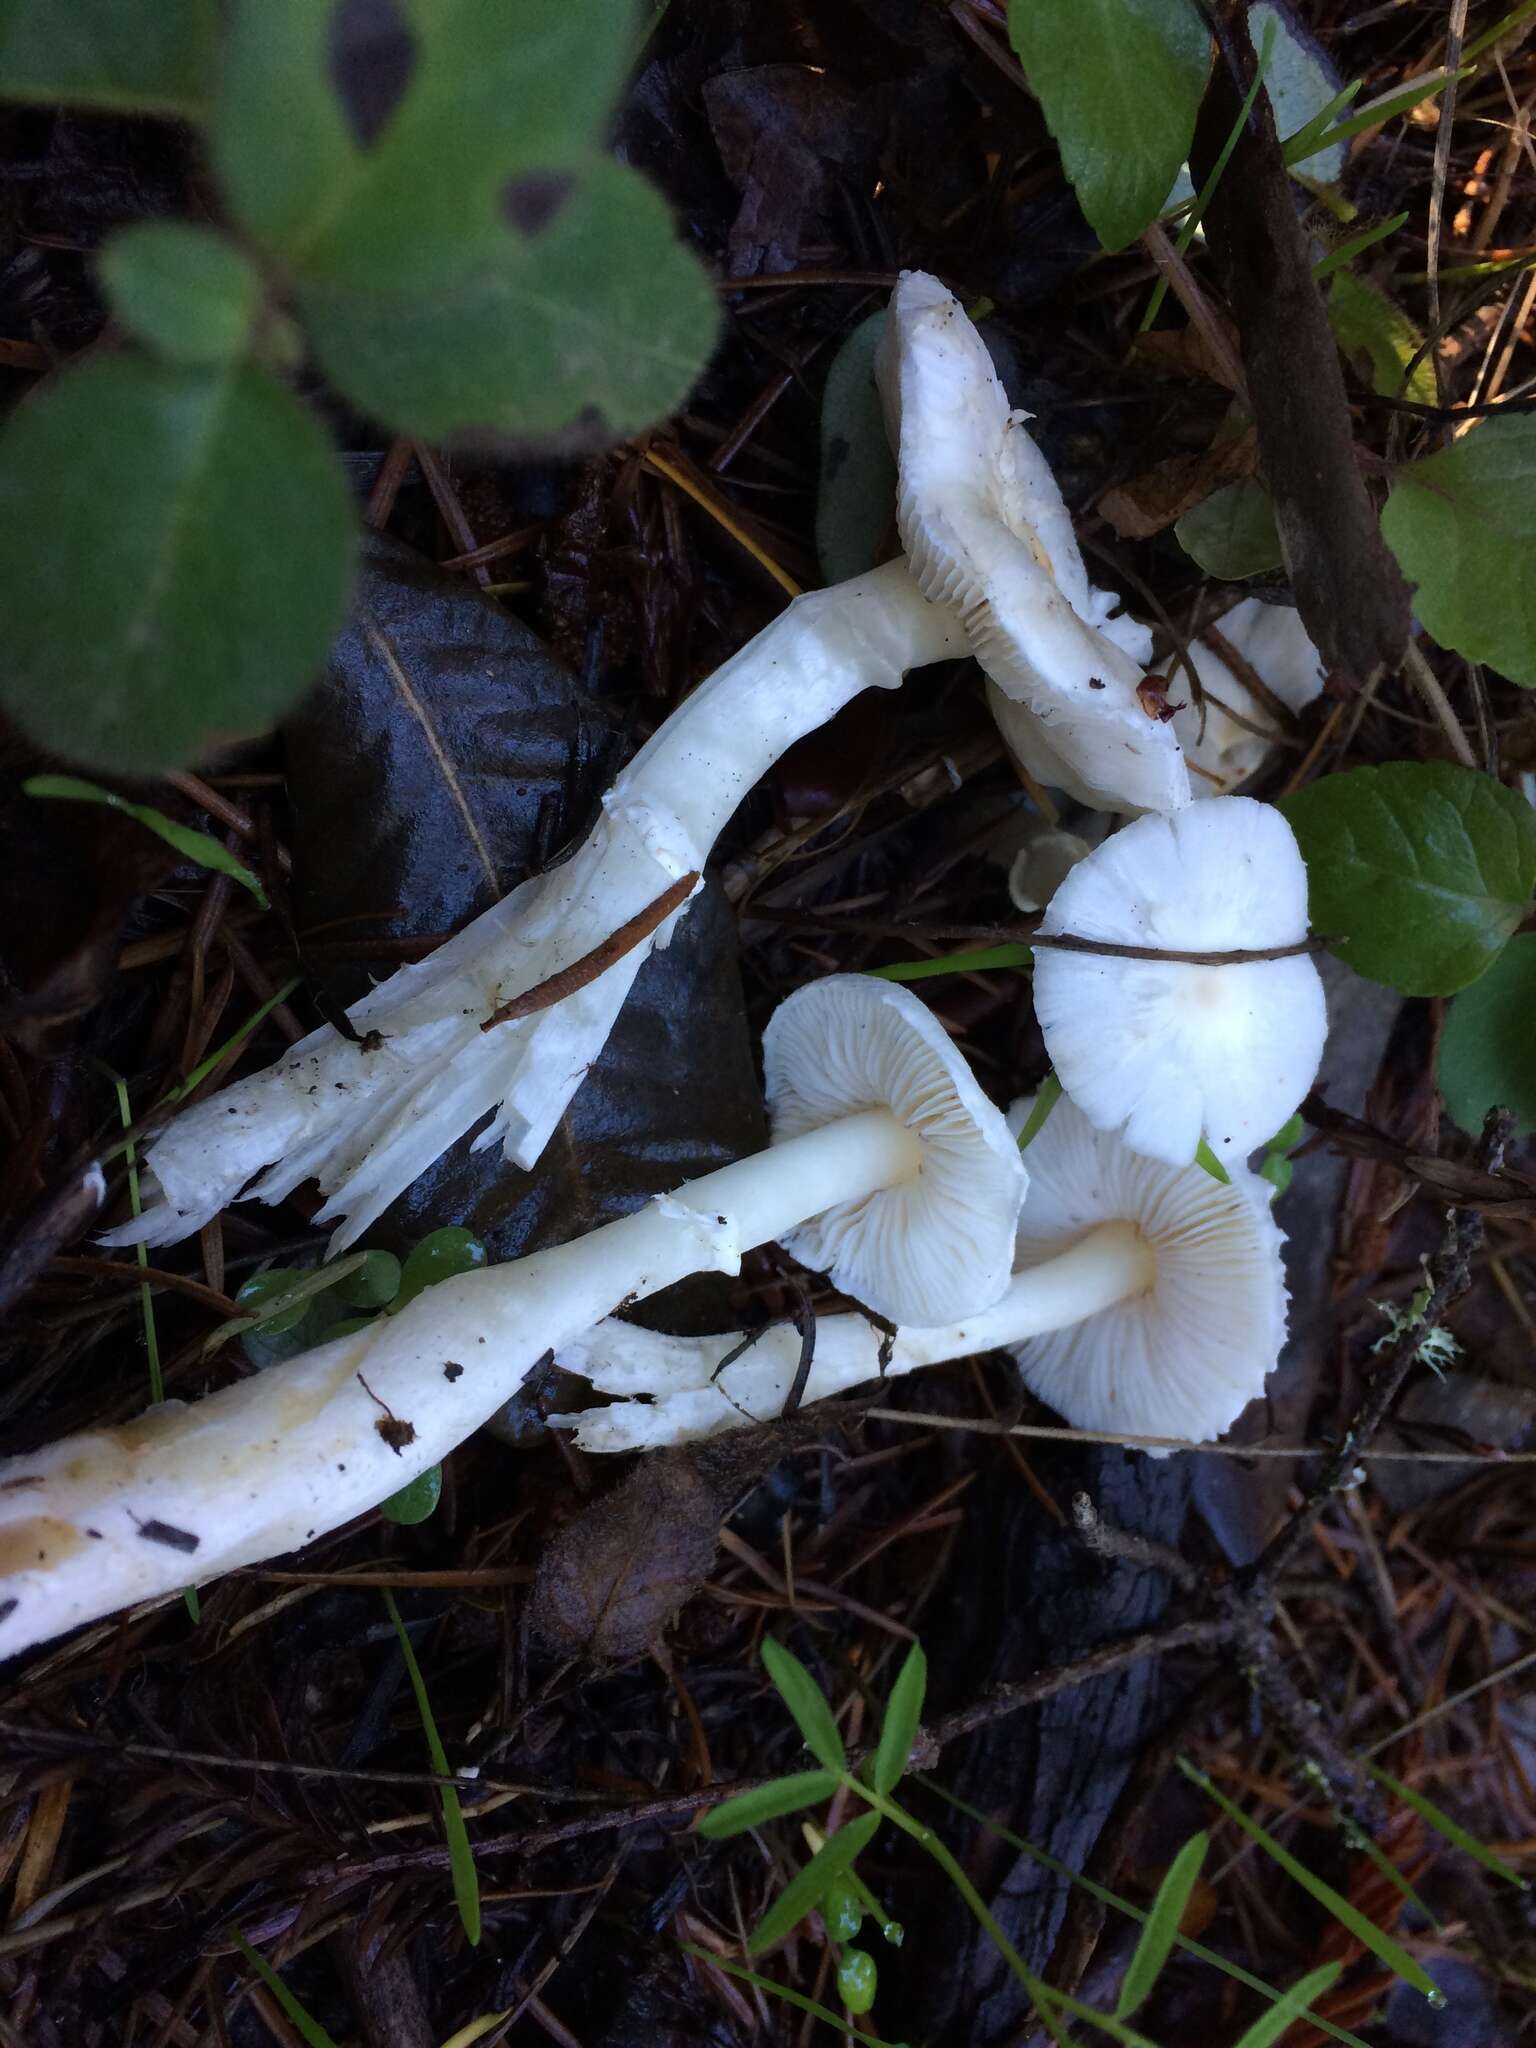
{"x":184,"y":1493}
{"x":364,"y":1119}
{"x":685,"y":1399}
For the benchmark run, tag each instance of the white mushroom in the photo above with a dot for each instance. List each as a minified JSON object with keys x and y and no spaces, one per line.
{"x":884,"y":1138}
{"x":1169,"y":1052}
{"x":1043,"y":862}
{"x":1148,"y":1300}
{"x":365,"y":1119}
{"x":1237,"y":732}
{"x":986,"y":530}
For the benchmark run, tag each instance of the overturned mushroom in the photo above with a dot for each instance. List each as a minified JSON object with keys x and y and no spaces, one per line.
{"x":1171,"y":1051}
{"x":1148,"y":1300}
{"x":1229,"y":735}
{"x":364,"y":1119}
{"x":889,"y":1164}
{"x":986,"y":530}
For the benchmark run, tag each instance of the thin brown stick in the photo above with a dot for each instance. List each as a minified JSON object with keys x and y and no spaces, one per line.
{"x":1242,"y":956}
{"x":545,"y":994}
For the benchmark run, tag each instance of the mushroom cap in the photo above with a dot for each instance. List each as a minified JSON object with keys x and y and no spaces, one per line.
{"x":986,"y":530}
{"x":932,"y":1248}
{"x":1221,"y":750}
{"x":1186,"y":1357}
{"x":1042,"y":864}
{"x":1163,"y":1051}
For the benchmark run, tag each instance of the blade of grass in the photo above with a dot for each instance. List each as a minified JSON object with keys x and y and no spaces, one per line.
{"x":1356,"y":245}
{"x":1401,"y":101}
{"x":956,"y":963}
{"x":466,"y":1880}
{"x":206,"y":1066}
{"x":1206,"y":1159}
{"x":768,"y":1802}
{"x":311,"y":2029}
{"x":1365,"y":1931}
{"x":317,"y":1282}
{"x":1186,"y":1943}
{"x":759,"y":1983}
{"x":200,"y":847}
{"x":1161,"y":1927}
{"x":806,"y":1702}
{"x":1290,"y":2005}
{"x":1307,"y":140}
{"x":1045,"y":1101}
{"x":1453,"y":1832}
{"x":903,"y":1711}
{"x":810,"y":1884}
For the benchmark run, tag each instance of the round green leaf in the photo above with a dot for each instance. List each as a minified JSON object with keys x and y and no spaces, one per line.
{"x":1463,"y":525}
{"x":440,"y":1255}
{"x":183,"y":291}
{"x":857,"y":1979}
{"x":1120,"y":84}
{"x":375,"y":1283}
{"x":174,"y":548}
{"x":1422,"y":870}
{"x":1488,"y":1050}
{"x":842,"y":1911}
{"x":1231,"y":534}
{"x":417,"y":1500}
{"x":262,"y":1287}
{"x":599,"y":318}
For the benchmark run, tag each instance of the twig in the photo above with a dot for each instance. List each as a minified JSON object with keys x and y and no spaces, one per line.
{"x":1240,"y":956}
{"x":1427,"y":683}
{"x":545,"y":994}
{"x":1129,"y":1546}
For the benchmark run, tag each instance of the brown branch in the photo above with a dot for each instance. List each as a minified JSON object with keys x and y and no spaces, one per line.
{"x":1240,"y":956}
{"x":545,"y":994}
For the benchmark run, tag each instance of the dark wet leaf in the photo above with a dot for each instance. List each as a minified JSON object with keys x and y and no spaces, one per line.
{"x":782,"y":131}
{"x":446,"y":755}
{"x":214,"y":605}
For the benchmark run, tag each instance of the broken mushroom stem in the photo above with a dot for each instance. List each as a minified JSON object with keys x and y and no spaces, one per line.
{"x":687,"y":1395}
{"x":879,"y":1157}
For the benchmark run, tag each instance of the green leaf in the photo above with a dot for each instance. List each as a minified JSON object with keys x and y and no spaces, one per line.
{"x":309,"y":2028}
{"x":1365,"y":1931}
{"x":807,"y":1888}
{"x":797,"y":1999}
{"x":226,"y":573}
{"x":1231,"y":534}
{"x":1007,"y":955}
{"x":440,"y":1255}
{"x":1276,"y":1166}
{"x":1120,"y":84}
{"x":856,"y":496}
{"x":190,"y":844}
{"x":185,"y":292}
{"x":1463,"y":525}
{"x":126,"y":58}
{"x":1289,"y":2006}
{"x":858,"y":1978}
{"x":903,"y":1712}
{"x":1421,"y":869}
{"x":807,"y":1703}
{"x":1161,"y":1929}
{"x":768,"y":1802}
{"x":1488,"y":1048}
{"x":1366,"y":323}
{"x":1452,"y":1830}
{"x":461,"y":1859}
{"x":417,"y":1500}
{"x":1356,"y":245}
{"x":376,"y":1281}
{"x":600,"y":319}
{"x":278,"y":1297}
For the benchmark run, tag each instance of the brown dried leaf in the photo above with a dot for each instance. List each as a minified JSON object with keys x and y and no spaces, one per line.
{"x":1155,"y":499}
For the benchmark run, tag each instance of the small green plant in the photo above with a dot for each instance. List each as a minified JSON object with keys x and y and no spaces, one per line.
{"x":416,"y":202}
{"x":461,"y":1859}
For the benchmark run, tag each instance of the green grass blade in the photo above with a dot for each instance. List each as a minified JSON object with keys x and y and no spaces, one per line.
{"x":1161,"y":1928}
{"x":205,"y":1067}
{"x":768,"y":1802}
{"x":311,"y":2029}
{"x":806,"y":1701}
{"x":1500,"y":29}
{"x":810,"y":1885}
{"x":794,"y":1998}
{"x":1453,"y":1832}
{"x":1365,"y":1931}
{"x":1307,"y":140}
{"x":1289,"y":2006}
{"x":1045,"y":1101}
{"x":317,"y":1282}
{"x":201,"y":847}
{"x":1010,"y":955}
{"x":461,"y":1861}
{"x":1346,"y":252}
{"x":1206,"y":1159}
{"x":903,"y":1712}
{"x":146,"y":1295}
{"x":1390,"y":105}
{"x":1190,"y":1947}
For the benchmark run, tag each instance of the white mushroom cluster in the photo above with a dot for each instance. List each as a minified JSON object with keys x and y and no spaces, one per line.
{"x":1172,"y":984}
